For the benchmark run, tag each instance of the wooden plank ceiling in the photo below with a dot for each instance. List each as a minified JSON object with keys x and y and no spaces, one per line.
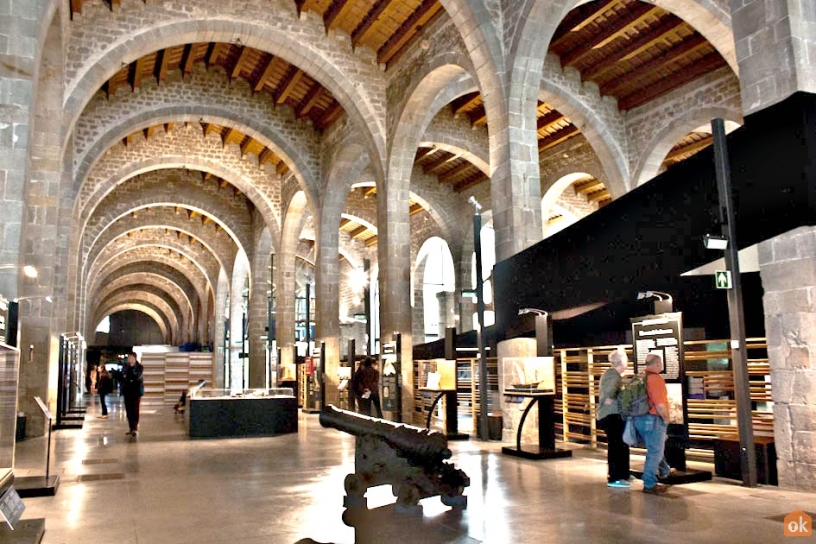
{"x":388,"y":27}
{"x":632,"y":50}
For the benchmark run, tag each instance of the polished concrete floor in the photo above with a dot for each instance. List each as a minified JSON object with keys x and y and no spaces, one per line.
{"x":167,"y":488}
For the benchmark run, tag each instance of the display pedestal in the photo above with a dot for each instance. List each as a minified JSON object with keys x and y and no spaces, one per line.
{"x":727,"y":462}
{"x":27,"y":531}
{"x":546,"y":432}
{"x":451,"y":415}
{"x":36,"y":486}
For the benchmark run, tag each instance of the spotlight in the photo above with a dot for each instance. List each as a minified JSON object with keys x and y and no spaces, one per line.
{"x":475,"y":203}
{"x":715,"y":241}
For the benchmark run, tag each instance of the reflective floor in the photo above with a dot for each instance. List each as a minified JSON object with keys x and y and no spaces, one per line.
{"x":166,"y":488}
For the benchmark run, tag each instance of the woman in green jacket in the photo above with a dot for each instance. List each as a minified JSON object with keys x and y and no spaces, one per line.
{"x":611,"y":421}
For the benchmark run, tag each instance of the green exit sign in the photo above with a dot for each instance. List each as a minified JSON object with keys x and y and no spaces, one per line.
{"x":722,"y":279}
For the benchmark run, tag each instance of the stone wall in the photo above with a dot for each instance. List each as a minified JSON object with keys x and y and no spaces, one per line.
{"x":788,"y":270}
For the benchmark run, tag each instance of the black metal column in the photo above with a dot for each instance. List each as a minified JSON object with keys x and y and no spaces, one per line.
{"x":739,"y":358}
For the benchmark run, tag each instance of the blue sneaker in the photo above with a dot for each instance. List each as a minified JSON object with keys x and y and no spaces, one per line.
{"x":622,"y":484}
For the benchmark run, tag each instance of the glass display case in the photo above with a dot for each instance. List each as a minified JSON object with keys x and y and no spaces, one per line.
{"x":9,"y":375}
{"x":216,"y":413}
{"x":528,"y":375}
{"x":204,"y":393}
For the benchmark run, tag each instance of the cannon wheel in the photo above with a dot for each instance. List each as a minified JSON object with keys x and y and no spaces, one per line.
{"x":355,"y":492}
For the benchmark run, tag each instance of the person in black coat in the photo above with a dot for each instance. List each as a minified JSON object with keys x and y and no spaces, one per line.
{"x":132,"y":390}
{"x":104,"y":386}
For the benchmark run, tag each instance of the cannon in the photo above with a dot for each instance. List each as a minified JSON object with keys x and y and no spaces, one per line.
{"x":411,"y":459}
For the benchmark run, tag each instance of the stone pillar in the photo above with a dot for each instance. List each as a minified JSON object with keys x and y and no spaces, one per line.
{"x":257,"y":314}
{"x":327,"y":300}
{"x":776,"y":49}
{"x":394,"y":256}
{"x":221,"y":354}
{"x":788,"y":270}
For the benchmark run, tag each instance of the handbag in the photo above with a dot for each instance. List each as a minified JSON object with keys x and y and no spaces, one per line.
{"x":630,"y":436}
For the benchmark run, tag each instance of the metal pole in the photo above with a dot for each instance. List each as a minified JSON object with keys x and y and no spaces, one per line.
{"x":367,"y":306}
{"x":739,"y":358}
{"x":477,"y":245}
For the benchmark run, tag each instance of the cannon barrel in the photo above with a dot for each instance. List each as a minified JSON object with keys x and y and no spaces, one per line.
{"x":414,"y":443}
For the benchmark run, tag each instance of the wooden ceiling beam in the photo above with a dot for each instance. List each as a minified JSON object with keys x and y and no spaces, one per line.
{"x":708,"y":63}
{"x":265,"y":156}
{"x":168,"y":127}
{"x":578,"y":18}
{"x":305,"y":5}
{"x":371,"y":241}
{"x":469,"y":182}
{"x":633,"y":16}
{"x":633,"y":48}
{"x":108,"y":88}
{"x":588,"y":187}
{"x":358,"y":231}
{"x":480,"y":118}
{"x":289,"y":83}
{"x":415,"y":208}
{"x":312,"y":96}
{"x":127,"y":140}
{"x":373,"y":15}
{"x":148,"y":132}
{"x":435,"y":167}
{"x":424,"y":152}
{"x":557,"y":137}
{"x":371,"y":191}
{"x":331,"y":114}
{"x":187,"y":58}
{"x":281,"y":168}
{"x":465,"y":103}
{"x":135,"y":70}
{"x":241,"y":63}
{"x":420,"y":17}
{"x":76,"y":7}
{"x":232,"y":136}
{"x":161,"y":66}
{"x":344,"y":221}
{"x":693,"y":147}
{"x":546,"y":121}
{"x":213,"y":52}
{"x":335,"y":14}
{"x":115,"y":5}
{"x":672,"y":55}
{"x":248,"y":141}
{"x":267,"y":71}
{"x":209,"y":128}
{"x":457,"y":171}
{"x":598,"y":195}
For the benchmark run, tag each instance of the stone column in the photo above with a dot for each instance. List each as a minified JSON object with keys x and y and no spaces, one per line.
{"x":327,"y":300}
{"x":788,"y":270}
{"x":776,"y":49}
{"x":394,"y":256}
{"x":257,"y":314}
{"x":219,"y":328}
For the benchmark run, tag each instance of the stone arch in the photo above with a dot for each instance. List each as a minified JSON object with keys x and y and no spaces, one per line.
{"x":649,"y":162}
{"x":155,"y":235}
{"x":155,"y":297}
{"x":199,"y":94}
{"x":164,"y":288}
{"x":319,"y":56}
{"x":123,"y":255}
{"x":419,"y":267}
{"x":130,"y":305}
{"x":596,"y":132}
{"x":163,"y":219}
{"x":171,"y":191}
{"x":205,"y":155}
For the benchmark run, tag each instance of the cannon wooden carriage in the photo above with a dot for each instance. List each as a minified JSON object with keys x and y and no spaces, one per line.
{"x":411,"y":459}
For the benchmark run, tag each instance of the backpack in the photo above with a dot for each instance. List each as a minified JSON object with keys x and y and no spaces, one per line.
{"x":633,"y":398}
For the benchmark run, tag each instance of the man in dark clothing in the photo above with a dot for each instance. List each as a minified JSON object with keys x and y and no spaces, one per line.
{"x":370,"y":387}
